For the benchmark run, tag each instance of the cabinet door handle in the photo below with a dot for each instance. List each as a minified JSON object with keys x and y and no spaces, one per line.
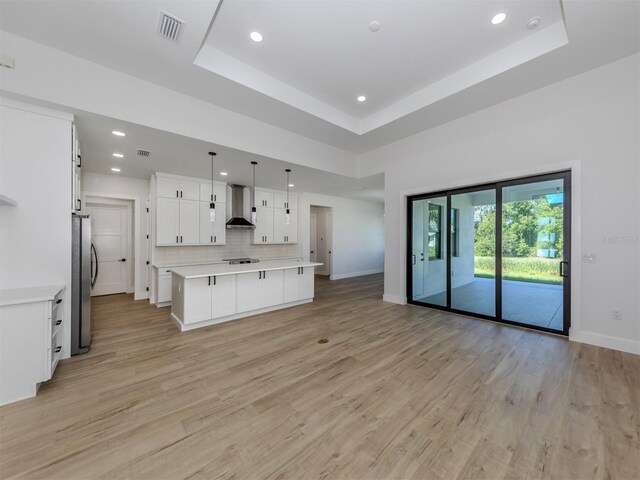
{"x":58,"y":322}
{"x":58,"y":301}
{"x":180,"y":193}
{"x":215,"y":198}
{"x":214,"y":280}
{"x":211,"y":238}
{"x":260,"y":275}
{"x":215,"y":239}
{"x":58,"y":349}
{"x":177,"y":241}
{"x":302,"y":270}
{"x":209,"y":281}
{"x":177,"y":193}
{"x":264,"y":274}
{"x":180,"y":238}
{"x":79,"y":205}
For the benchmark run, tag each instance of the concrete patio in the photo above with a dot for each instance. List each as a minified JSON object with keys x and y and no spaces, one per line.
{"x":537,"y":304}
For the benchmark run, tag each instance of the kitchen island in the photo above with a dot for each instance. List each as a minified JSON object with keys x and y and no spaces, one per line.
{"x":204,"y":295}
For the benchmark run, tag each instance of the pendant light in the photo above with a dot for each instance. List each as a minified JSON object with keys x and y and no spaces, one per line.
{"x":254,"y":214}
{"x":287,"y":217}
{"x":212,"y":206}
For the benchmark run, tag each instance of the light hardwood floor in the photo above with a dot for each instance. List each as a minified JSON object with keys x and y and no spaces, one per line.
{"x":397,"y":392}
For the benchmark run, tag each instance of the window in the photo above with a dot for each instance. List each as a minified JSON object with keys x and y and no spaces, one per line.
{"x":455,"y":223}
{"x":435,"y":234}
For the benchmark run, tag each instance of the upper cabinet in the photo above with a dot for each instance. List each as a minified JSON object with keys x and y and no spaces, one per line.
{"x":280,"y":200}
{"x":219,"y":193}
{"x":272,"y":226}
{"x":181,"y":209}
{"x":175,"y":187}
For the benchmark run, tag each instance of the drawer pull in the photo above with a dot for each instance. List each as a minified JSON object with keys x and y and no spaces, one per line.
{"x":59,"y":301}
{"x":58,"y":349}
{"x":58,"y":322}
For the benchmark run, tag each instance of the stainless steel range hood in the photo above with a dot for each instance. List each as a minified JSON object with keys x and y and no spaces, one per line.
{"x":237,"y":209}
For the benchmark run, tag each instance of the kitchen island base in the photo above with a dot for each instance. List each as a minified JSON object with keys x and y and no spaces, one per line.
{"x":192,"y":326}
{"x":207,"y":295}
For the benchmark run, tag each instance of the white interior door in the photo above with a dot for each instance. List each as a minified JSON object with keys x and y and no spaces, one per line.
{"x":313,"y":238}
{"x":110,"y":236}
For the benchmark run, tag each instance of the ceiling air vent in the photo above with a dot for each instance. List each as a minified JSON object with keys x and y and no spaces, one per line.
{"x":143,"y":153}
{"x":170,"y":27}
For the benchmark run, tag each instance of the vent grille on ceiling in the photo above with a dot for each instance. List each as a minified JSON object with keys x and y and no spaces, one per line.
{"x":170,"y":27}
{"x":143,"y":153}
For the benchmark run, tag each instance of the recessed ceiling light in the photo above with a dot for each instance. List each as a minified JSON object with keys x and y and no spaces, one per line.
{"x":115,"y":169}
{"x":362,"y":98}
{"x":119,"y":134}
{"x":291,"y":185}
{"x":118,"y":155}
{"x":498,"y":18}
{"x":224,"y":174}
{"x":374,"y":26}
{"x":256,"y":36}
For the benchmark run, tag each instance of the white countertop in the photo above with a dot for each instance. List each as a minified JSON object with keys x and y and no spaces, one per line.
{"x":199,"y":271}
{"x":170,"y":265}
{"x":15,"y":296}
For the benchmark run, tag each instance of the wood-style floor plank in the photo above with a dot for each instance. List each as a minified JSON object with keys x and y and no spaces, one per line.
{"x":398,"y":392}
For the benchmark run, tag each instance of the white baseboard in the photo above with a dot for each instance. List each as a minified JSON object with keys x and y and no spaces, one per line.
{"x":356,"y":274}
{"x":606,"y":341}
{"x":394,"y":299}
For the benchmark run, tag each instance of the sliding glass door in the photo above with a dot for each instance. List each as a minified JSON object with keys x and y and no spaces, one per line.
{"x":498,"y":251}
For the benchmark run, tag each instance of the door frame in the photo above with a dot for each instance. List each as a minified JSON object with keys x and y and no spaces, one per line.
{"x":127,"y":205}
{"x":565,"y":175}
{"x":140,"y":284}
{"x":328,"y":229}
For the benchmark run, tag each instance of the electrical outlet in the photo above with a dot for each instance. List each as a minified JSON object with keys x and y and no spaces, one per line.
{"x":589,"y":258}
{"x":616,"y":314}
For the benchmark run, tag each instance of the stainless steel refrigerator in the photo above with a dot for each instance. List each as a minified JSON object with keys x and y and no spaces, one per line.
{"x":84,"y":272}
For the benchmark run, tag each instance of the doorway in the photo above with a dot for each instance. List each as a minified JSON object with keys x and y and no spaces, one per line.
{"x":321,"y":238}
{"x":499,"y":251}
{"x":112,"y":239}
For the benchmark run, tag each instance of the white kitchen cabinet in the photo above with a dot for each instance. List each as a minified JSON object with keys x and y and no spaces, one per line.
{"x":258,"y":290}
{"x":175,"y":187}
{"x":167,"y":221}
{"x":263,"y":198}
{"x":280,"y":200}
{"x":31,"y":339}
{"x":189,"y":222}
{"x":223,"y":295}
{"x":249,"y":291}
{"x":263,"y":233}
{"x":219,"y":192}
{"x":283,"y":232}
{"x":298,"y":284}
{"x":213,"y":233}
{"x":163,"y":294}
{"x":197,"y":300}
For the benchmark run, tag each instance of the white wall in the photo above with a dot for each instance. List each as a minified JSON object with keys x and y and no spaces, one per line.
{"x":358,"y":233}
{"x":51,"y":75}
{"x":588,"y":123}
{"x":35,"y":170}
{"x":112,"y":186}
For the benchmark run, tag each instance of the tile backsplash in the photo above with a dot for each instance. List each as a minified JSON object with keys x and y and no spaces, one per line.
{"x":238,"y":245}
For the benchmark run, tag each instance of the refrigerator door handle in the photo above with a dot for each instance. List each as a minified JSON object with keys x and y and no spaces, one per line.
{"x":94,"y":276}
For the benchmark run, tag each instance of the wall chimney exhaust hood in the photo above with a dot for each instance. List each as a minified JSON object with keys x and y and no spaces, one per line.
{"x":237,"y":210}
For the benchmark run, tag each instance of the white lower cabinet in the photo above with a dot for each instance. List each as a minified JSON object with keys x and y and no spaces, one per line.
{"x":199,"y":301}
{"x":31,"y":339}
{"x":258,"y":290}
{"x":163,"y":292}
{"x":298,"y":284}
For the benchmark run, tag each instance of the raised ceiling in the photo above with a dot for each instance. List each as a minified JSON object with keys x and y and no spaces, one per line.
{"x":122,"y":36}
{"x":320,"y":56}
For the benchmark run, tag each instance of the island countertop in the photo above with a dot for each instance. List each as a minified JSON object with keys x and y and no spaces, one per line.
{"x":199,"y":271}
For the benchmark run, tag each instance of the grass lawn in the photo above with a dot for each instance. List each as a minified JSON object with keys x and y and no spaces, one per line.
{"x":521,"y":269}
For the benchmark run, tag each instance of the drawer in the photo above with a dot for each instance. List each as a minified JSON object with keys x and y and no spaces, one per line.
{"x":55,"y":353}
{"x":56,"y":308}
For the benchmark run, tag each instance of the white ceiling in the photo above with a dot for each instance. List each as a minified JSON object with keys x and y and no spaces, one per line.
{"x":325,"y":49}
{"x":181,"y":155}
{"x":122,"y":36}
